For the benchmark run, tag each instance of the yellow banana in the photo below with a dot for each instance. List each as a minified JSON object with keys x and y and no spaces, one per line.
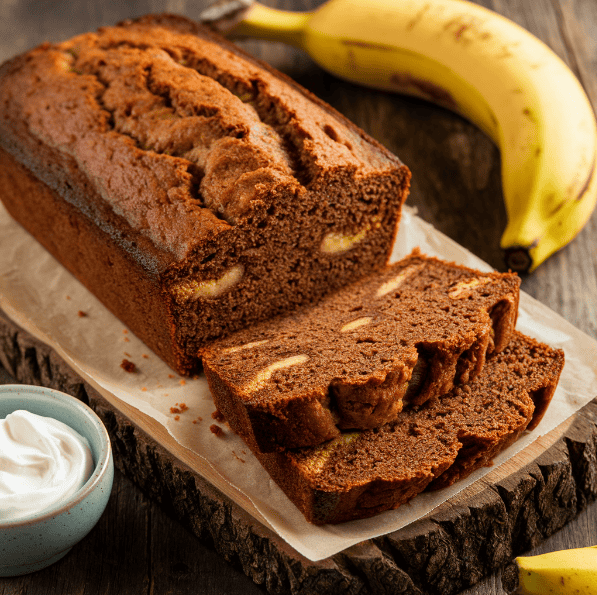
{"x":563,"y":572}
{"x":481,"y":65}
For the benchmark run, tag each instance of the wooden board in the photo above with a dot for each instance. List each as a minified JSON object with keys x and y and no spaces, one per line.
{"x":510,"y":511}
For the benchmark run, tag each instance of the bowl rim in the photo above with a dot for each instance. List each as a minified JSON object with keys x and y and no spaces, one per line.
{"x":101,"y":465}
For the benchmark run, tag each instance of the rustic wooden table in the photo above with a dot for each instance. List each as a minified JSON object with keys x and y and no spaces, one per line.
{"x":137,"y":547}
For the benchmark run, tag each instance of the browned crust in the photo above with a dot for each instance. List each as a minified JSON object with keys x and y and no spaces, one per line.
{"x":180,"y":23}
{"x":275,"y":240}
{"x":95,"y":257}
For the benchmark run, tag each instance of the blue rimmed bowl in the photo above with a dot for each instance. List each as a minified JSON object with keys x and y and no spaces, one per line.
{"x":36,"y":541}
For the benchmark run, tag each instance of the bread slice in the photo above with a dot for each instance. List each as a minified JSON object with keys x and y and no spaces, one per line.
{"x":399,"y":337}
{"x":361,"y":473}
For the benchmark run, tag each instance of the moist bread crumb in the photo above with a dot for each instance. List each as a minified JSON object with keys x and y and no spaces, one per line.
{"x":128,"y":366}
{"x":399,"y":337}
{"x":217,"y":430}
{"x":217,"y":415}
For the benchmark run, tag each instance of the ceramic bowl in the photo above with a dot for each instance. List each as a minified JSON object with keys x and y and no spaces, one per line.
{"x":38,"y":540}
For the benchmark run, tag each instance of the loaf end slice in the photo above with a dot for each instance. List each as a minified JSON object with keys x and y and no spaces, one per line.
{"x":399,"y":337}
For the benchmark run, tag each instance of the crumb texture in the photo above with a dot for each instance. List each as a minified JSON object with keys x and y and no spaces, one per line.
{"x":400,"y":337}
{"x":358,"y":474}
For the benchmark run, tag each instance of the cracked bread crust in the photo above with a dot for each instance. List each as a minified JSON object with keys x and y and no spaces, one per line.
{"x":399,"y":337}
{"x":360,"y":474}
{"x":235,"y":192}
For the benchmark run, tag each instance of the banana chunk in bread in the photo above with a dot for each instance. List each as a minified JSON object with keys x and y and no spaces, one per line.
{"x":399,"y":337}
{"x":193,"y":189}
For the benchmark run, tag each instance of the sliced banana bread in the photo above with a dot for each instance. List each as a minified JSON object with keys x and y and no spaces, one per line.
{"x":400,"y":336}
{"x":361,"y":473}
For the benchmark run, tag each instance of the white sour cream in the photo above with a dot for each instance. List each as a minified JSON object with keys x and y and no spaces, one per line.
{"x":42,"y":462}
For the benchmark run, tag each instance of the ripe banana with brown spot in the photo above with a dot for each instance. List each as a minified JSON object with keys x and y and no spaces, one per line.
{"x":478,"y":64}
{"x":564,"y":572}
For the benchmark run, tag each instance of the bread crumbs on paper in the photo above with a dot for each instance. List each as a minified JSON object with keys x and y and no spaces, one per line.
{"x":128,"y":366}
{"x":216,"y":430}
{"x":81,"y":314}
{"x":237,"y":457}
{"x":218,"y":416}
{"x":177,"y":409}
{"x":182,"y":382}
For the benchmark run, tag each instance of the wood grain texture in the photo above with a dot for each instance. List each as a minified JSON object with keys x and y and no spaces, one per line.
{"x":187,"y":538}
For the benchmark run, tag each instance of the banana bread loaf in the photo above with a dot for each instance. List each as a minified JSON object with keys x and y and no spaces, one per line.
{"x":190,"y":187}
{"x":402,"y":335}
{"x":361,"y":473}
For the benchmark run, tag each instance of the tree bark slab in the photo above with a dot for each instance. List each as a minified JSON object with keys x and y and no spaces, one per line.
{"x":467,"y":538}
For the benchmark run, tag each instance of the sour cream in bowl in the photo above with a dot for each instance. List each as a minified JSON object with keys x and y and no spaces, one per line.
{"x":43,"y":462}
{"x":56,"y":474}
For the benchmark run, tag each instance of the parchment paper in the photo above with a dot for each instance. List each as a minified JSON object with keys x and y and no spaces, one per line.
{"x":44,"y":299}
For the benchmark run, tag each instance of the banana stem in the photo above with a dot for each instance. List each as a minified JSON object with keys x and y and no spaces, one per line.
{"x":263,"y":22}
